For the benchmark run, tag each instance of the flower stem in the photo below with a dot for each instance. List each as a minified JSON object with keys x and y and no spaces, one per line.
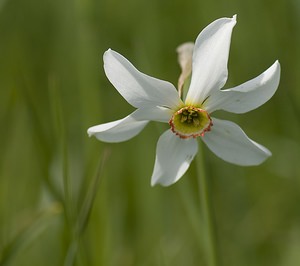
{"x":207,"y":211}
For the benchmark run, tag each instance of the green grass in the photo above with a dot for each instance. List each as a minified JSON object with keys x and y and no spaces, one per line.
{"x":66,"y":199}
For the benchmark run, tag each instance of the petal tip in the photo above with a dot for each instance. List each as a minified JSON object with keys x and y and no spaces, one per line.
{"x":89,"y":132}
{"x":266,"y":156}
{"x":268,"y":153}
{"x":276,"y":70}
{"x":108,"y":52}
{"x":277,"y":63}
{"x":154,"y":181}
{"x":234,"y":20}
{"x":159,"y":182}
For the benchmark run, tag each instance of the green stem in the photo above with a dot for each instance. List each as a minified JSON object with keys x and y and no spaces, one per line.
{"x":207,"y":211}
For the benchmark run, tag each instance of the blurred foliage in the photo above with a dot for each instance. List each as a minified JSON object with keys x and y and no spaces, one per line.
{"x":66,"y":199}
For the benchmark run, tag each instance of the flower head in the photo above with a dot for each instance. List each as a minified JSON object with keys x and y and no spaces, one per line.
{"x":190,"y":118}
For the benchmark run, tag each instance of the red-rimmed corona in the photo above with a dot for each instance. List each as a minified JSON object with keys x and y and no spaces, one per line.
{"x":190,"y":122}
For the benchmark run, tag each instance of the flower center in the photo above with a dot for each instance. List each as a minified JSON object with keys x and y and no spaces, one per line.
{"x":190,"y":122}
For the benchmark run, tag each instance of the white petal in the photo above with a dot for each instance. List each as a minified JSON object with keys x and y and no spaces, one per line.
{"x":173,"y":158}
{"x":118,"y":131}
{"x":130,"y":126}
{"x":137,"y":88}
{"x":157,"y":113}
{"x":210,"y":57}
{"x":229,"y":142}
{"x":248,"y":95}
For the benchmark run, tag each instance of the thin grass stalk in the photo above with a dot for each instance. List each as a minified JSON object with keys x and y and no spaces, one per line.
{"x":207,"y":211}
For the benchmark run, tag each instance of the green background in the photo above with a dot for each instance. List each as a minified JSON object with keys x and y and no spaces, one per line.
{"x":56,"y":208}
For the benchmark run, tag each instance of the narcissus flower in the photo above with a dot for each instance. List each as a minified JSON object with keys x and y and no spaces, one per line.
{"x":190,"y":118}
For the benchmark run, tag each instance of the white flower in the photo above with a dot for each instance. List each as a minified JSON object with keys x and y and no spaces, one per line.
{"x":158,"y":100}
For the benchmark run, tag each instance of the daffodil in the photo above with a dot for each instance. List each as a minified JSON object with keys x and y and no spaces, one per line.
{"x":190,"y":118}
